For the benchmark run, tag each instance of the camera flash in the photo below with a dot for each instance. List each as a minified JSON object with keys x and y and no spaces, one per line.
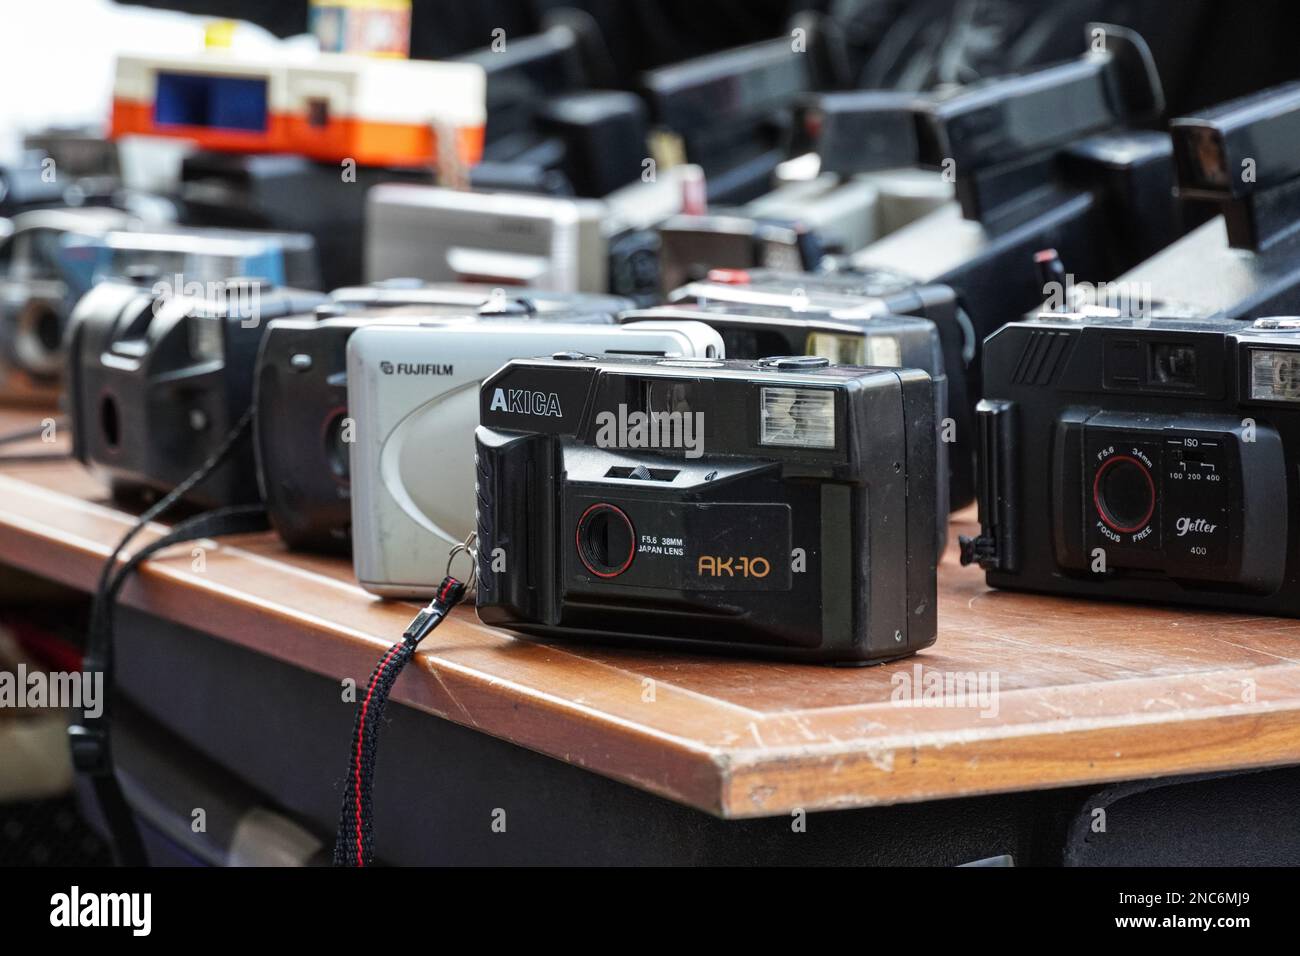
{"x":880,"y":350}
{"x":797,"y":417}
{"x":1275,"y":375}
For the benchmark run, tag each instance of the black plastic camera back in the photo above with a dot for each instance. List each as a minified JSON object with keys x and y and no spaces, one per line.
{"x":1042,"y":160}
{"x":1245,"y":263}
{"x":1149,"y":459}
{"x":1243,"y":156}
{"x":785,"y":509}
{"x":1000,"y":137}
{"x":732,"y":110}
{"x":157,"y":382}
{"x":553,"y":124}
{"x":1051,"y":158}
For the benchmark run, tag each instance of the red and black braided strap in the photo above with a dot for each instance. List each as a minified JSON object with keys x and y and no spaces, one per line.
{"x":354,"y":843}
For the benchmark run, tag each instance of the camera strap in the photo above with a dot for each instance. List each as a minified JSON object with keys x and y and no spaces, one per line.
{"x":354,"y":843}
{"x":89,"y":739}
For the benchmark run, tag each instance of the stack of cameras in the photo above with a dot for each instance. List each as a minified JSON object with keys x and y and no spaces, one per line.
{"x":367,"y":401}
{"x":729,"y":404}
{"x":1137,"y":441}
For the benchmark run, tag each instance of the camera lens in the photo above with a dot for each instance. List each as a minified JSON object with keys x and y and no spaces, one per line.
{"x":606,"y":540}
{"x":45,"y":323}
{"x":109,"y":421}
{"x":670,"y":396}
{"x":38,"y":336}
{"x":336,"y":447}
{"x":1124,"y":493}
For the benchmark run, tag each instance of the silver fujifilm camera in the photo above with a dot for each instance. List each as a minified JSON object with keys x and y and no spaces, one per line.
{"x":413,"y":392}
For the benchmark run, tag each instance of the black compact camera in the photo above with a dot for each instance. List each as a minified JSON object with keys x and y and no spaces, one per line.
{"x":156,"y":382}
{"x":301,"y":389}
{"x":690,"y":246}
{"x":780,"y":507}
{"x":858,"y":318}
{"x":845,"y":330}
{"x":1147,"y":458}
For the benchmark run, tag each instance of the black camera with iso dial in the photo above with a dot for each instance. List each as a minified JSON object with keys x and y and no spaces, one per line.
{"x":1148,"y":458}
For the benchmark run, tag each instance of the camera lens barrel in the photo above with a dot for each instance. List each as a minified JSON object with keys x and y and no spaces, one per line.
{"x":606,"y":540}
{"x":1124,"y":493}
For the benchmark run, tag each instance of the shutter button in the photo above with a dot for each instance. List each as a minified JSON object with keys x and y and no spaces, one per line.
{"x":788,"y":363}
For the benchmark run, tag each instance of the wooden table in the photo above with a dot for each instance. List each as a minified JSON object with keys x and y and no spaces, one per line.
{"x":1086,"y":692}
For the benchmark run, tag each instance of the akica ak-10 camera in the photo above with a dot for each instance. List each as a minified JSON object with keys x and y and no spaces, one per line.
{"x":780,"y":507}
{"x":413,"y":396}
{"x":302,"y":420}
{"x":156,"y":382}
{"x":1142,"y":458}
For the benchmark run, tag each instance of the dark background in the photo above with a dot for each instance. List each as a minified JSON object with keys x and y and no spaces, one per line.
{"x":1206,"y":50}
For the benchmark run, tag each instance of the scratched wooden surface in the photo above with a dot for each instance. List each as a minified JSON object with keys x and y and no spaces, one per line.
{"x":1060,"y":692}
